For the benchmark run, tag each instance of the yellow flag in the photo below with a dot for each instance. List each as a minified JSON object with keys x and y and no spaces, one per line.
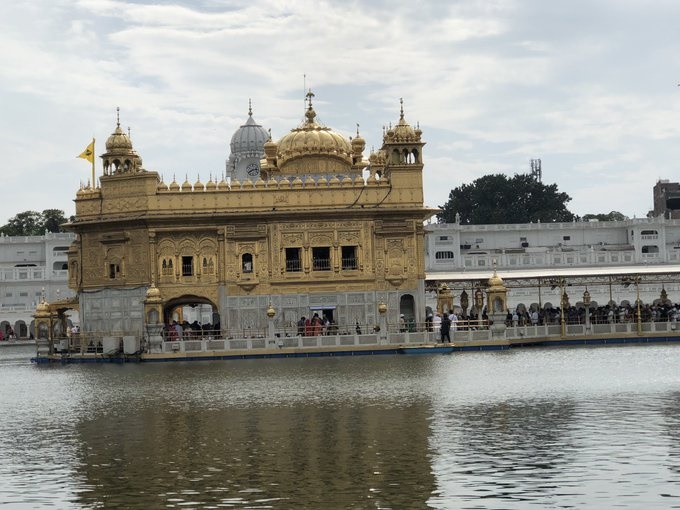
{"x":88,"y":153}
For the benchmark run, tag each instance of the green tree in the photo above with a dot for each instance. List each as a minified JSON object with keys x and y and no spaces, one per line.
{"x":32,"y":223}
{"x":611,"y":216}
{"x":52,"y":219}
{"x":497,"y":198}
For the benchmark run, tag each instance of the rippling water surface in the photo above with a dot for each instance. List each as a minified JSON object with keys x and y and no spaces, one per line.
{"x":554,"y":428}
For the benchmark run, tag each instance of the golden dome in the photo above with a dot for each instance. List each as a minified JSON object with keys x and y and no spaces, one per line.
{"x":402,"y":132}
{"x":358,"y":143}
{"x":118,"y":141}
{"x":495,"y":282}
{"x":173,"y":185}
{"x":153,"y":293}
{"x":211,"y":185}
{"x":43,"y":307}
{"x":313,"y":141}
{"x":377,"y":158}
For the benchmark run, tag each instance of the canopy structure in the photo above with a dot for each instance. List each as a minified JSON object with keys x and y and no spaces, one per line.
{"x":666,"y":273}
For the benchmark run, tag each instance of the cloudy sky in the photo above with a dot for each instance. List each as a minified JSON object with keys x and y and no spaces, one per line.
{"x":589,"y":87}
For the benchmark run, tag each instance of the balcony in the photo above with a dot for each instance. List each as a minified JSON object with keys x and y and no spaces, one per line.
{"x":293,"y":266}
{"x":350,"y":263}
{"x":319,"y":264}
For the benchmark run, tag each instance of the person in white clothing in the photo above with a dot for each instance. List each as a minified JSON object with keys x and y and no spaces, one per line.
{"x":437,"y":322}
{"x":454,"y":320}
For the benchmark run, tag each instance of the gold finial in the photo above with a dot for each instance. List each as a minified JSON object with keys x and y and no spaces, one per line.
{"x":401,"y":102}
{"x":129,"y":132}
{"x":310,"y":114}
{"x":117,"y":116}
{"x":250,"y":108}
{"x":357,"y":129}
{"x":270,"y":134}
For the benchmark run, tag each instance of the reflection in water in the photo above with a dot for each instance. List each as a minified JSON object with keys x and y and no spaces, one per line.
{"x":303,"y":456}
{"x":560,"y":428}
{"x":512,"y":451}
{"x":300,"y":435}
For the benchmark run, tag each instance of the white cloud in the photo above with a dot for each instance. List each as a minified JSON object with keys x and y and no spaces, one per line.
{"x":589,"y":89}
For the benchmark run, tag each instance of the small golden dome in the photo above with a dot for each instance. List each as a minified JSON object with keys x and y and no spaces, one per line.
{"x":270,"y":148}
{"x":198,"y":185}
{"x":161,"y":186}
{"x":358,"y":143}
{"x":211,"y":185}
{"x":43,"y":307}
{"x":153,"y":293}
{"x":377,"y":158}
{"x":402,"y":132}
{"x":173,"y":185}
{"x":186,"y":185}
{"x":118,"y":140}
{"x":495,"y":282}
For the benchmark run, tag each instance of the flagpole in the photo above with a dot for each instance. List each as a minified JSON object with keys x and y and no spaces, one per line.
{"x":94,"y":186}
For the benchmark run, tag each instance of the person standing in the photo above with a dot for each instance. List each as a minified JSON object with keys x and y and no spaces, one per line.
{"x":453,"y":318}
{"x":402,"y":323}
{"x":445,"y":329}
{"x":437,"y":323}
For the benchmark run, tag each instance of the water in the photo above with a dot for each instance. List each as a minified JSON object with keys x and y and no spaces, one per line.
{"x":536,"y":428}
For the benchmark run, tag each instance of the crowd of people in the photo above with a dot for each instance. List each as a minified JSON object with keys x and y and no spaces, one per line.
{"x":316,"y":326}
{"x":189,"y":331}
{"x":448,"y":322}
{"x":607,"y":314}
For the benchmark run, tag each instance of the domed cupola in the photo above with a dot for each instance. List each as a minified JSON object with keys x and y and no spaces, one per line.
{"x":358,"y":146}
{"x":247,"y":149}
{"x":312,"y":148}
{"x":402,"y":132}
{"x":120,"y":157}
{"x":402,"y":143}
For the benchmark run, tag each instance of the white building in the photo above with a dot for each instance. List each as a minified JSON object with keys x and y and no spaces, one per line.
{"x":29,"y":266}
{"x":533,"y":258}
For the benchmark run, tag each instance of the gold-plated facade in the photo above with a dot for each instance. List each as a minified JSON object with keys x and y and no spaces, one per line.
{"x":311,"y":233}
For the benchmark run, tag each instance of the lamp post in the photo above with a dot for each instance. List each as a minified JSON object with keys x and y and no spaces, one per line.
{"x":382,"y":311}
{"x":586,"y":301}
{"x":270,"y":321}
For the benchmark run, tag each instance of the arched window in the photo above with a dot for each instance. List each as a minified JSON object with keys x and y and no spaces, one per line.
{"x":247,"y":263}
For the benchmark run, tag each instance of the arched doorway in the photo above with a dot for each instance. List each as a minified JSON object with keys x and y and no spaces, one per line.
{"x":196,"y":315}
{"x":5,"y":327}
{"x":20,"y":329}
{"x":407,"y":307}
